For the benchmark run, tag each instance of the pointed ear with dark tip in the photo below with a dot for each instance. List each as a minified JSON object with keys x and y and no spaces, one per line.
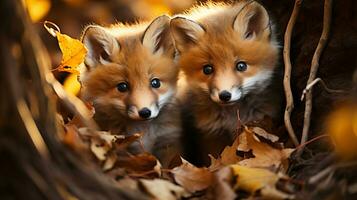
{"x":157,"y":36}
{"x":185,"y":32}
{"x":100,"y":44}
{"x":252,"y":21}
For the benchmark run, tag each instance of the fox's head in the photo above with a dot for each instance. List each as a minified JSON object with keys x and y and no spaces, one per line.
{"x":227,"y":51}
{"x":130,"y":69}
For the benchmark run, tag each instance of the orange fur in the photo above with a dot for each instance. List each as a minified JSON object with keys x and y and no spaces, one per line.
{"x":222,"y":35}
{"x":134,"y":55}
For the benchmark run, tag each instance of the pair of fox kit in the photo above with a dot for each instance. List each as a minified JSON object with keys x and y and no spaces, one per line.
{"x":195,"y":70}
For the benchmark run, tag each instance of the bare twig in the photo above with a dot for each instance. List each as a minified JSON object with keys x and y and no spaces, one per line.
{"x":313,"y":83}
{"x":287,"y":72}
{"x":302,"y":145}
{"x":315,"y":65}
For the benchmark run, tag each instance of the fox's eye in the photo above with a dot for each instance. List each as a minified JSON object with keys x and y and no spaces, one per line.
{"x":241,"y":66}
{"x":123,"y":87}
{"x":155,"y":83}
{"x":208,"y":69}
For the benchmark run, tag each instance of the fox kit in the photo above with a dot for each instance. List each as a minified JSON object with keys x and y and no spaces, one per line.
{"x":130,"y":77}
{"x":228,"y":55}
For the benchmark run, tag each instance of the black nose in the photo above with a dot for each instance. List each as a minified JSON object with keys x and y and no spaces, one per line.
{"x":225,"y":95}
{"x":145,"y":113}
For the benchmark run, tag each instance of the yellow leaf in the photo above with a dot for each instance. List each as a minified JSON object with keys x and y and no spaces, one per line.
{"x":73,"y":52}
{"x":71,"y":84}
{"x":259,"y":180}
{"x":253,"y":179}
{"x":37,"y":8}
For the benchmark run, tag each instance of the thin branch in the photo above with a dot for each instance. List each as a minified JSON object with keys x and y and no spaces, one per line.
{"x":287,"y":72}
{"x":302,"y":145}
{"x":315,"y":65}
{"x":319,"y":80}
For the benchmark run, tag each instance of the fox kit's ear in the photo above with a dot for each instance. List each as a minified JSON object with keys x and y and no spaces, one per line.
{"x":252,"y":21}
{"x":157,"y":36}
{"x":100,"y":44}
{"x":185,"y":32}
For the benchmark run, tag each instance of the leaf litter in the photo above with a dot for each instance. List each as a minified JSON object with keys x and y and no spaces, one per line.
{"x":228,"y":175}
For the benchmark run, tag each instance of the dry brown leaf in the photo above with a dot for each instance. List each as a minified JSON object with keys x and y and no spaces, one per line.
{"x":163,"y":190}
{"x":229,"y":154}
{"x":264,"y":154}
{"x":72,"y":138}
{"x":192,"y":178}
{"x":261,"y":132}
{"x":216,"y":163}
{"x":99,"y":149}
{"x":140,"y":165}
{"x":110,"y":161}
{"x":105,"y":147}
{"x":222,"y":188}
{"x":123,"y":143}
{"x":102,"y":136}
{"x":257,"y":179}
{"x":101,"y":142}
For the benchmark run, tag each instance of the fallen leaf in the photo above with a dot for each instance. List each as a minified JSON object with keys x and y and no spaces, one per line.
{"x":229,"y":154}
{"x":110,"y":162}
{"x":253,"y":180}
{"x":71,"y":84}
{"x":141,"y":165}
{"x":216,"y":163}
{"x":264,"y":154}
{"x":123,"y":143}
{"x":72,"y":138}
{"x":261,"y":132}
{"x":102,"y":136}
{"x":192,"y":178}
{"x":101,"y":142}
{"x":222,"y":184}
{"x":99,"y":149}
{"x":163,"y":190}
{"x":73,"y":53}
